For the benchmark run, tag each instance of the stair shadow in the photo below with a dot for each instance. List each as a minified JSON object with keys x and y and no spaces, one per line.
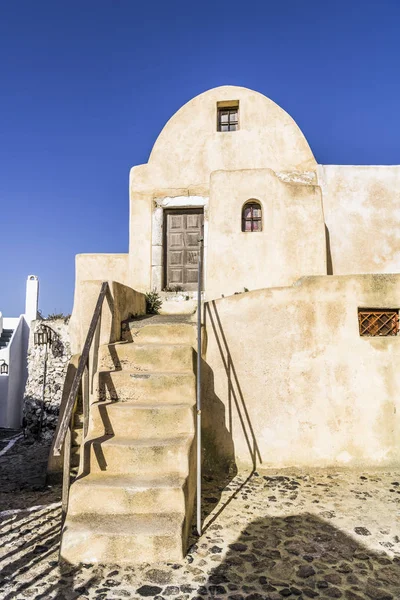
{"x":302,"y":556}
{"x":217,"y":449}
{"x":97,"y":451}
{"x":107,"y":389}
{"x":126,"y":332}
{"x":114,"y":357}
{"x":235,"y":394}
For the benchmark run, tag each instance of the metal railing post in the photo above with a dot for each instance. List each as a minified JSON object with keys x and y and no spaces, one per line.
{"x":67,"y":468}
{"x":198,"y":394}
{"x":63,"y":422}
{"x":39,"y":435}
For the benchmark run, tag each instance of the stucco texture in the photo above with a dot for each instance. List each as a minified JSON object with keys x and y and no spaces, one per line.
{"x":120,"y":303}
{"x":280,"y":253}
{"x":296,"y":383}
{"x":362,"y":215}
{"x":189,"y":149}
{"x":96,"y":268}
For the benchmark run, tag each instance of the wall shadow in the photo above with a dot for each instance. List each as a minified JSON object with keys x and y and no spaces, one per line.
{"x":236,"y":400}
{"x":302,"y":556}
{"x":329,"y":265}
{"x":217,"y":448}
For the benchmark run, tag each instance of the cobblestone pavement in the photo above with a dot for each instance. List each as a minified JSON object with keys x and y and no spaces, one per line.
{"x":271,"y":535}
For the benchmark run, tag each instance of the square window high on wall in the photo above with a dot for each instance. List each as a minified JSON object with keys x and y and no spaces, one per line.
{"x":228,"y":116}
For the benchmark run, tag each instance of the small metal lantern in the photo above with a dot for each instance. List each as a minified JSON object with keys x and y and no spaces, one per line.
{"x":43,"y":336}
{"x":3,"y":367}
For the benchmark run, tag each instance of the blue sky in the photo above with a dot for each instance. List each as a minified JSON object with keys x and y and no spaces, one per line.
{"x":87,"y":85}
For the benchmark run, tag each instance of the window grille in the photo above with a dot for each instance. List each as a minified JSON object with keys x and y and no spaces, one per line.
{"x":378,"y":321}
{"x":228,"y":118}
{"x":251,"y":217}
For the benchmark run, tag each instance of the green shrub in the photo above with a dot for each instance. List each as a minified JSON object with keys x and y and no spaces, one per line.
{"x":153,"y":302}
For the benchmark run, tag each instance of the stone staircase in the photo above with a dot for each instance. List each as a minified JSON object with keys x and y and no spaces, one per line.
{"x":133,"y":498}
{"x":5,"y":338}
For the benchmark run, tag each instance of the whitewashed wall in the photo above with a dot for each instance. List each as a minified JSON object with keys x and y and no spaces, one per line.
{"x":57,"y":362}
{"x":12,"y":385}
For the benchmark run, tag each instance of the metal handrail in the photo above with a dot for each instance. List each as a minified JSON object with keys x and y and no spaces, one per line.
{"x":198,"y":390}
{"x":65,"y":419}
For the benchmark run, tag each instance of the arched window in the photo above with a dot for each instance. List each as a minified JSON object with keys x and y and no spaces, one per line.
{"x":252,"y":216}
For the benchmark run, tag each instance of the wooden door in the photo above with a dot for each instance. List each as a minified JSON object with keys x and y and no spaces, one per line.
{"x":183,"y":229}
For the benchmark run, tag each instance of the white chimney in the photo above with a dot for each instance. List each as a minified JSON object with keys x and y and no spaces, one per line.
{"x":32,"y":298}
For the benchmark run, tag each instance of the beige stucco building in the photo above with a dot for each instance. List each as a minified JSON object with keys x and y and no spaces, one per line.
{"x":316,"y":219}
{"x":323,"y":234}
{"x":301,"y":295}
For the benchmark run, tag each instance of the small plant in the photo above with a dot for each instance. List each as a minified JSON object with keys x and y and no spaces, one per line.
{"x":53,"y":317}
{"x":174,"y":288}
{"x":57,"y":316}
{"x":153,"y":302}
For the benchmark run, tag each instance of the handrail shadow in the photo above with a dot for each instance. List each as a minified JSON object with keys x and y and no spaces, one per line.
{"x":233,"y":382}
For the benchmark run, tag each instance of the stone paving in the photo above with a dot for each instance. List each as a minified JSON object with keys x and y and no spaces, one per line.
{"x":270,"y":535}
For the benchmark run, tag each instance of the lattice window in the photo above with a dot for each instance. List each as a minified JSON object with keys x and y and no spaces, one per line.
{"x":378,"y":321}
{"x":252,"y":217}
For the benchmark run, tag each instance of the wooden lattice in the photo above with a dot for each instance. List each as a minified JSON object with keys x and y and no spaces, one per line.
{"x":378,"y":322}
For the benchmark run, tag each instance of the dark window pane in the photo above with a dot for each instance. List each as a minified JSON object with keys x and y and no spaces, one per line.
{"x":228,"y":119}
{"x":247,"y":212}
{"x":251,"y":217}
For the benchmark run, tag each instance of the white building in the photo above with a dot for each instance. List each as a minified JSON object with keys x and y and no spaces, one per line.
{"x":14,"y":339}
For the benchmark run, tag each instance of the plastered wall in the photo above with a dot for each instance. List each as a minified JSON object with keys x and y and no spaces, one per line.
{"x":295,"y":382}
{"x":189,"y":149}
{"x":276,"y":256}
{"x":362,"y":215}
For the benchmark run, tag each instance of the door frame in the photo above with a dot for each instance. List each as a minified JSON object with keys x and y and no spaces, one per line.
{"x":171,"y":211}
{"x":157,"y":234}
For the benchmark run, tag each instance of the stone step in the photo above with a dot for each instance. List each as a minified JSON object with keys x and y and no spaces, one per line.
{"x":123,"y":539}
{"x":99,"y":493}
{"x":126,"y":419}
{"x":160,"y":333}
{"x":144,"y":358}
{"x":143,"y":456}
{"x":178,"y":306}
{"x":147,"y":387}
